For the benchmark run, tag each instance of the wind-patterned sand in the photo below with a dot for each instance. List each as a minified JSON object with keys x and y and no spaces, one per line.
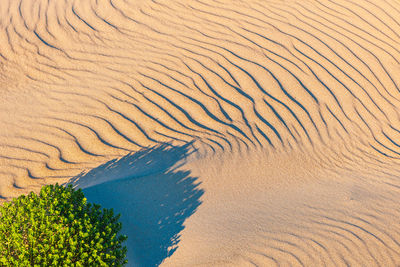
{"x":292,"y":107}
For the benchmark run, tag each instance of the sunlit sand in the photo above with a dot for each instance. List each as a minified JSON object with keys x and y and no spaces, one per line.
{"x":226,"y":133}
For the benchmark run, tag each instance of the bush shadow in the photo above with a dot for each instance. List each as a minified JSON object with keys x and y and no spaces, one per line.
{"x":152,"y":196}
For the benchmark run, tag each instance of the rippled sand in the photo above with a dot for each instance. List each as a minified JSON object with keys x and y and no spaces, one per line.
{"x":226,"y":132}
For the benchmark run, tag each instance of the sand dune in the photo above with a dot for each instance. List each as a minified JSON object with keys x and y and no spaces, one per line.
{"x":227,"y":133}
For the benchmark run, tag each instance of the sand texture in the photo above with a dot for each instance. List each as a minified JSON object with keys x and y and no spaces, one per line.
{"x":226,"y":132}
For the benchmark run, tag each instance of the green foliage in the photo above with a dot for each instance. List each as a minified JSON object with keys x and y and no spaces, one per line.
{"x":59,"y":228}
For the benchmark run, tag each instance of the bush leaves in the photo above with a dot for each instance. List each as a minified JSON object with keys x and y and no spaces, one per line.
{"x":59,"y":228}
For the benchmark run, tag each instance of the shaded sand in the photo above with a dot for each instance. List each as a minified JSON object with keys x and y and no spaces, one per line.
{"x":227,"y":133}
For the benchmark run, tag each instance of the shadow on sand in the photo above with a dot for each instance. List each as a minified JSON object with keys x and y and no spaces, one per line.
{"x":154,"y":199}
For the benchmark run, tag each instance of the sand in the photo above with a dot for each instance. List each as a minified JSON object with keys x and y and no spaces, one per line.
{"x":226,"y":132}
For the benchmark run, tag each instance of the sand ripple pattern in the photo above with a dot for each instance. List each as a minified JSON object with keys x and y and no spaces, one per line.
{"x":83,"y":82}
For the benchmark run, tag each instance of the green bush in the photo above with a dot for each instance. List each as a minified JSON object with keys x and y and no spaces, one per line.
{"x":59,"y":228}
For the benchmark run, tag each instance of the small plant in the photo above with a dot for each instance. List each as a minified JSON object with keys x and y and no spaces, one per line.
{"x":59,"y":228}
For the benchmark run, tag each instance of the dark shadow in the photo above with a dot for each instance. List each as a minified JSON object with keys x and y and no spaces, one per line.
{"x":154,"y":199}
